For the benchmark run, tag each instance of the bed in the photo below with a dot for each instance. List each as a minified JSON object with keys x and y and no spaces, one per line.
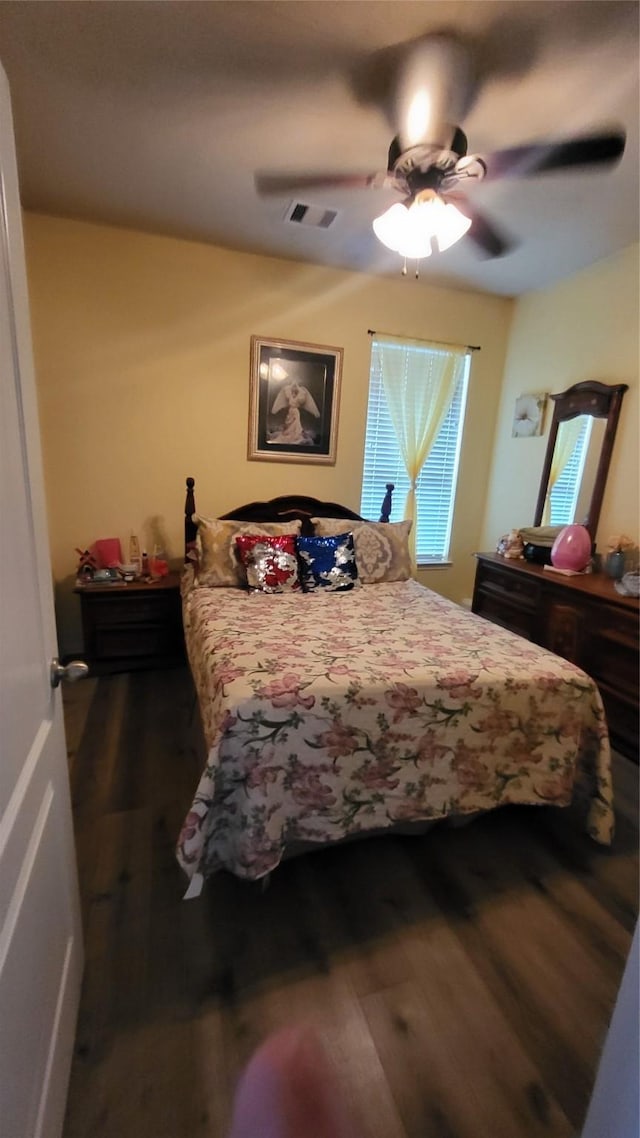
{"x":330,"y":715}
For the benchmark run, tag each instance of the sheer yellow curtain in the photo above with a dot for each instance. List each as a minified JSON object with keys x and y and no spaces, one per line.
{"x":419,"y":380}
{"x":566,"y":439}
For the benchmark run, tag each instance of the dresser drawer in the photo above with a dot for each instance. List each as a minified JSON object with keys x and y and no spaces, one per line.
{"x":508,"y":585}
{"x":506,"y":598}
{"x":500,"y":610}
{"x":612,"y":656}
{"x":563,"y":630}
{"x":618,"y":626}
{"x":623,"y":719}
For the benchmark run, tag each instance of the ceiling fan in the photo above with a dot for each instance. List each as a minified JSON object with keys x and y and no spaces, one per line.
{"x":428,"y":164}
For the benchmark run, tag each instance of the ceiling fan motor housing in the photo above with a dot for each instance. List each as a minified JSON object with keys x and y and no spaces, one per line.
{"x":423,"y":167}
{"x":426,"y":154}
{"x":433,"y":87}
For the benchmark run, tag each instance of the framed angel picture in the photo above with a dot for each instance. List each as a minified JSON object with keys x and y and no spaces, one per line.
{"x":293,"y":401}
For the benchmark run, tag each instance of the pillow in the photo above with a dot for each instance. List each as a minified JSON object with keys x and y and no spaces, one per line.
{"x":382,"y":548}
{"x":327,"y":563}
{"x":219,"y":565}
{"x":270,"y":562}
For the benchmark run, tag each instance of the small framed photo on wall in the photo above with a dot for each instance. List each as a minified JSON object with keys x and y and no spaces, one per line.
{"x":293,"y":401}
{"x":528,"y":415}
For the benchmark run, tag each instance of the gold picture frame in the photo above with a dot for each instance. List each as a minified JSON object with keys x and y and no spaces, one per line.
{"x":294,"y":398}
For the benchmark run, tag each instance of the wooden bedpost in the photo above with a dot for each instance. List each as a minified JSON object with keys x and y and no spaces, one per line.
{"x":385,"y":509}
{"x":190,"y":528}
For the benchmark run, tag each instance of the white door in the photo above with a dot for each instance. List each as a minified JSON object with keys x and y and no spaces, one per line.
{"x":40,"y":932}
{"x":614,"y":1111}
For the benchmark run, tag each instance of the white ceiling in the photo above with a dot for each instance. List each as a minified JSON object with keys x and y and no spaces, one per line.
{"x":156,"y":115}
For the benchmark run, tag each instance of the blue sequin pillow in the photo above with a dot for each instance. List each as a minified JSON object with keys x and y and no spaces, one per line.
{"x":327,"y":563}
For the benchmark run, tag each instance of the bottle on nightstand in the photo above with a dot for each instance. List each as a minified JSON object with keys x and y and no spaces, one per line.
{"x":158,"y":565}
{"x":134,"y":553}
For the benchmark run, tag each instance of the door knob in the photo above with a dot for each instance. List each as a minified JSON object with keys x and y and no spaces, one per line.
{"x":74,"y":670}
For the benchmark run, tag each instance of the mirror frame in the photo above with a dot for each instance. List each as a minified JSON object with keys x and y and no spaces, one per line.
{"x":603,"y":401}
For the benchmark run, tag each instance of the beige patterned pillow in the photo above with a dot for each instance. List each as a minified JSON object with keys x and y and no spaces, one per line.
{"x":382,"y":548}
{"x":218,"y":563}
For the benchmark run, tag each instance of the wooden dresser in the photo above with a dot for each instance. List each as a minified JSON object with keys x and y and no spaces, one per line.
{"x":582,"y":618}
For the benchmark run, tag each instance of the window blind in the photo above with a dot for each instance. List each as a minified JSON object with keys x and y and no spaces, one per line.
{"x":436,"y":484}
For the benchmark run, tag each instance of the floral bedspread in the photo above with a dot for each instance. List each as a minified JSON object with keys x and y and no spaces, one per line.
{"x":330,"y":714}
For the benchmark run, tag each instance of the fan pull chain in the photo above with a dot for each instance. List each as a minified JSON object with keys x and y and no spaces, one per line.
{"x":404,"y":268}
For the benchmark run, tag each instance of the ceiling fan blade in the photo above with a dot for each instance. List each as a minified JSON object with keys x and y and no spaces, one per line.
{"x":487,"y":237}
{"x":565,"y":154}
{"x":269,"y":185}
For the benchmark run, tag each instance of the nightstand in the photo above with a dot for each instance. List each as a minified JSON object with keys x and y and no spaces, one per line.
{"x":132,"y":626}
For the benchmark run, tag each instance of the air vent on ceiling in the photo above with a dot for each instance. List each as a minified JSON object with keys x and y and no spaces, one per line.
{"x":314,"y":215}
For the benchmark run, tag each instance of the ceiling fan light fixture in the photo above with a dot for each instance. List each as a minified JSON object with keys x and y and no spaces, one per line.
{"x":397,"y":229}
{"x":449,"y":224}
{"x":410,"y":231}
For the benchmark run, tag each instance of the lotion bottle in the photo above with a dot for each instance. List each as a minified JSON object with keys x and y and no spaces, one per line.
{"x":134,"y":553}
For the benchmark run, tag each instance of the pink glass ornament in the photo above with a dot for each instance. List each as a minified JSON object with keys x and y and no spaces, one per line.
{"x":572,"y":548}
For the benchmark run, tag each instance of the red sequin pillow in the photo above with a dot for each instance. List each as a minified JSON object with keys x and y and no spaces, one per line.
{"x":270,"y":562}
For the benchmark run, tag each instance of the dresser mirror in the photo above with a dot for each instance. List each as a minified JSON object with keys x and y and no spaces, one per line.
{"x":574,"y":475}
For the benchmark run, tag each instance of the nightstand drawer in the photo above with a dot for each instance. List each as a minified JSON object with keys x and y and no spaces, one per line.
{"x":135,"y":608}
{"x":127,"y":642}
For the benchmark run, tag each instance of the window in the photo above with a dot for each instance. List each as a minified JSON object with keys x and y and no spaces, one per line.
{"x":383,"y":462}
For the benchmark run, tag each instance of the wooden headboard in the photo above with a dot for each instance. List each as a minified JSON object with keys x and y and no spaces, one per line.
{"x":286,"y":508}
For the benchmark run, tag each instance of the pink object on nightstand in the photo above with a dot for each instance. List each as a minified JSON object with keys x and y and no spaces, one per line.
{"x":572,"y":548}
{"x":158,"y":567}
{"x":108,"y":552}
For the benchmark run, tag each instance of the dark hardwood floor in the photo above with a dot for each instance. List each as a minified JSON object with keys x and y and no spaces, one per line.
{"x":462,"y":982}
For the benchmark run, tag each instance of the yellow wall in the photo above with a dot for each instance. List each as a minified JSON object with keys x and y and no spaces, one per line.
{"x":587,"y":327}
{"x":142,"y":359}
